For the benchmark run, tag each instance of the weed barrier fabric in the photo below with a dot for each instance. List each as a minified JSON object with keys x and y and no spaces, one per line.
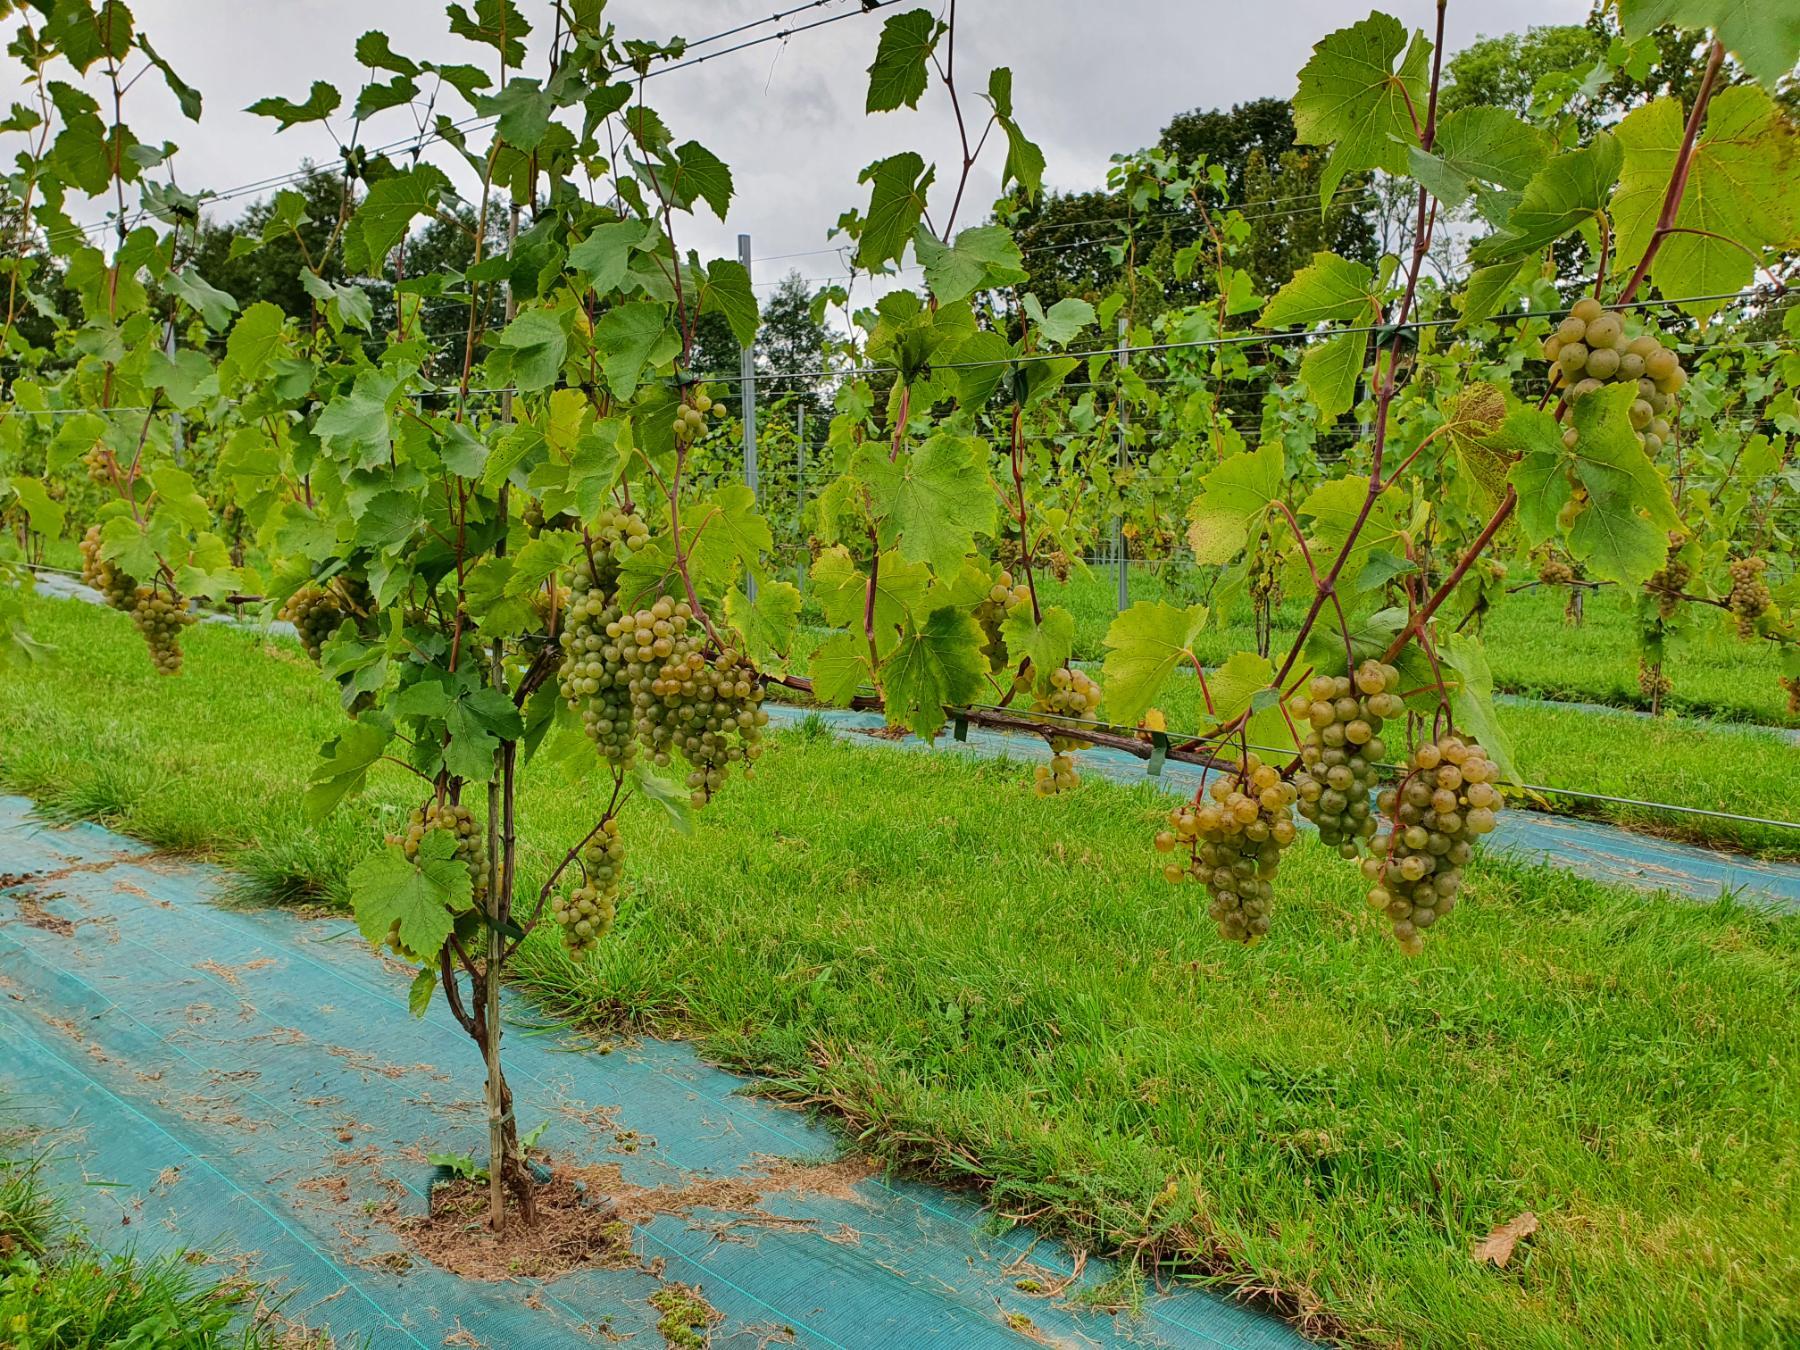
{"x":1590,"y":848}
{"x":247,"y":1085}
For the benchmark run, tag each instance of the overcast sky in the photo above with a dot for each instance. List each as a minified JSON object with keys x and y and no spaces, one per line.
{"x":1091,"y":77}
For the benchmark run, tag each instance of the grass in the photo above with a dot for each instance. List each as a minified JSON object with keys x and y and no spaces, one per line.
{"x":1531,"y":648}
{"x":995,"y":989}
{"x":60,"y":1292}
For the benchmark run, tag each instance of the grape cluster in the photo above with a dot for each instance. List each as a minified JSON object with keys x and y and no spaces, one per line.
{"x":158,"y":614}
{"x":1343,"y":750}
{"x":585,"y":915}
{"x":1002,"y":599}
{"x":1234,"y":845}
{"x":690,"y":418}
{"x":1653,"y":684}
{"x":1071,"y":697}
{"x":99,"y":464}
{"x":115,"y":586}
{"x":1749,"y":597}
{"x":616,"y":534}
{"x":316,"y":615}
{"x":1553,"y":571}
{"x":160,"y":617}
{"x":709,"y":712}
{"x":1667,"y":586}
{"x":643,"y":678}
{"x":1590,"y":350}
{"x":1445,"y":801}
{"x":1791,"y":683}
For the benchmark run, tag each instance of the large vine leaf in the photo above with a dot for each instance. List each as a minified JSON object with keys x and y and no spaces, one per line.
{"x":1622,"y":532}
{"x":1763,"y":34}
{"x":1048,"y":642}
{"x":1330,"y":370}
{"x":388,"y":212}
{"x":899,"y":73}
{"x":934,"y":667}
{"x":1245,"y":684}
{"x":1566,"y":193}
{"x":1475,"y":147}
{"x":1472,"y":698}
{"x":983,"y":256}
{"x":842,"y":589}
{"x":1351,"y":94}
{"x":1233,"y":498}
{"x":1742,"y":193}
{"x":1329,"y":289}
{"x":423,"y":896}
{"x":839,"y":668}
{"x":898,"y":185}
{"x":930,"y":502}
{"x":1144,"y":646}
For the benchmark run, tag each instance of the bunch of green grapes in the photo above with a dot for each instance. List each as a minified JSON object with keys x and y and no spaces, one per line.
{"x":1343,"y":750}
{"x":613,"y":536}
{"x":1791,"y":683}
{"x":1553,"y":571}
{"x":708,"y":711}
{"x":1002,"y":599}
{"x":1670,"y":582}
{"x":1749,"y":597}
{"x":1234,"y":845}
{"x":118,"y":588}
{"x":586,"y":914}
{"x":1590,"y":350}
{"x":316,"y":615}
{"x":594,"y":677}
{"x":99,"y":464}
{"x":690,"y":418}
{"x":550,"y":604}
{"x":1443,"y":804}
{"x":1071,"y":697}
{"x":160,"y":615}
{"x":1653,"y":683}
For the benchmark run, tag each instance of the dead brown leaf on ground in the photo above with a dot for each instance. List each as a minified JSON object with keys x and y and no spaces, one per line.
{"x":1498,"y":1245}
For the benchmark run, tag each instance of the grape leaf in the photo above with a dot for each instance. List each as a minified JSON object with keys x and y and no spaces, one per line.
{"x":841,"y":588}
{"x":1062,"y":321}
{"x":44,"y":513}
{"x":386,"y":214}
{"x":343,"y":767}
{"x":1328,"y":289}
{"x":1351,"y":94}
{"x":1622,"y":532}
{"x":930,"y":502}
{"x":1047,"y":642}
{"x":1472,"y":698}
{"x":497,"y":23}
{"x":1764,"y":36}
{"x":603,"y":256}
{"x":1567,"y":192}
{"x":536,"y":345}
{"x":768,"y":622}
{"x":1144,"y":646}
{"x":983,"y":257}
{"x":727,"y":291}
{"x":357,"y":422}
{"x":422,"y":896}
{"x":1243,"y":683}
{"x":1330,"y":370}
{"x":898,"y":185}
{"x":320,"y":103}
{"x":723,"y":531}
{"x":1233,"y":498}
{"x":1742,"y":192}
{"x":934,"y":667}
{"x":1477,"y":146}
{"x":1534,"y":437}
{"x":839,"y":667}
{"x":629,"y":337}
{"x":898,"y":75}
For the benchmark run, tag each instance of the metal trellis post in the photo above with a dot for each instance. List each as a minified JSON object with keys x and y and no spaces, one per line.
{"x":1124,"y":599}
{"x":747,"y":388}
{"x":800,"y":491}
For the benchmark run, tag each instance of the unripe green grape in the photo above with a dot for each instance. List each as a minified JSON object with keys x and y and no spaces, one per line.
{"x":1585,"y":310}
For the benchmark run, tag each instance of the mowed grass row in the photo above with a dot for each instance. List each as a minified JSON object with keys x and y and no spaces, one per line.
{"x":1531,"y":648}
{"x":999,"y":990}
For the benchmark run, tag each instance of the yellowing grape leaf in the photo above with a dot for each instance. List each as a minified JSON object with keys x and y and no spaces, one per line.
{"x":1233,"y":498}
{"x":1742,"y":194}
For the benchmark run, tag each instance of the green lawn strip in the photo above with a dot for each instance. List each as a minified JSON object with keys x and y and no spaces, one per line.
{"x":57,"y":1289}
{"x":996,"y":989}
